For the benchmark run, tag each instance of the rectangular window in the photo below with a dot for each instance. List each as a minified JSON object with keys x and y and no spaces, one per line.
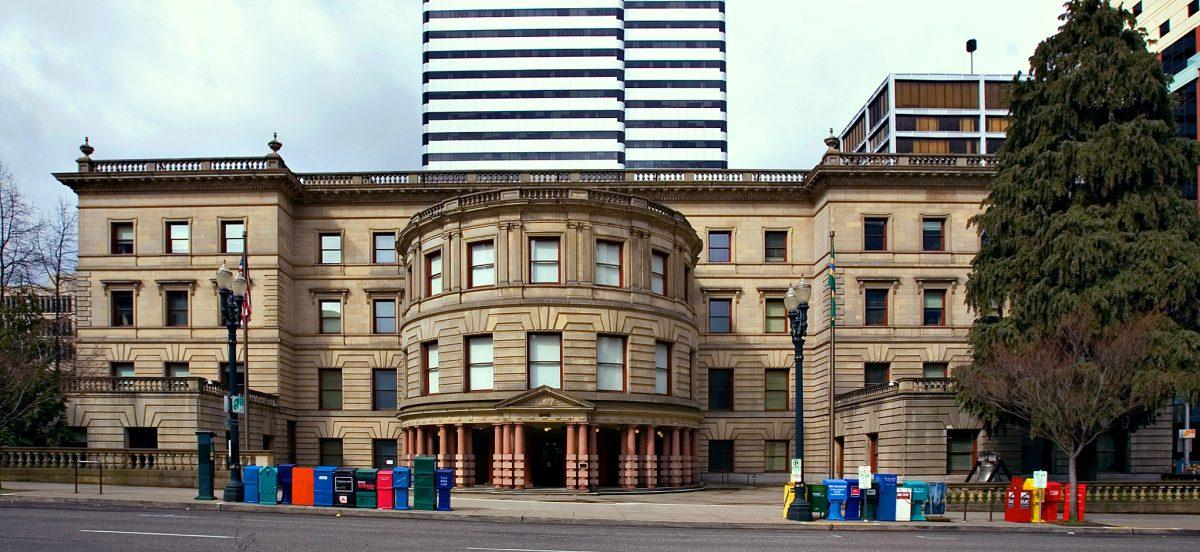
{"x":384,"y":247}
{"x":1137,"y":9}
{"x":331,"y":248}
{"x":331,"y":452}
{"x":122,"y":370}
{"x":960,"y":450}
{"x":122,"y":238}
{"x":383,"y":454}
{"x":385,"y":316}
{"x":1164,"y":28}
{"x":776,"y":390}
{"x":608,"y":263}
{"x":662,"y":368}
{"x":720,"y":456}
{"x":658,"y":273}
{"x":610,"y":363}
{"x":543,"y":261}
{"x":329,"y":384}
{"x":480,"y":370}
{"x":76,"y":437}
{"x":177,"y":307}
{"x":720,"y":315}
{"x":875,"y":234}
{"x":720,"y":389}
{"x":430,"y":368}
{"x":776,"y":456}
{"x":877,"y":303}
{"x":141,"y":437}
{"x":877,"y":373}
{"x":932,"y":232}
{"x":935,"y":370}
{"x":433,"y":274}
{"x":233,"y":236}
{"x":1193,"y":7}
{"x":776,"y":317}
{"x":176,"y":370}
{"x":545,"y":360}
{"x":178,"y":237}
{"x":331,"y":316}
{"x":719,"y":246}
{"x":935,"y":307}
{"x":873,"y":451}
{"x":383,"y":390}
{"x":775,"y":246}
{"x":122,"y":307}
{"x":482,"y":258}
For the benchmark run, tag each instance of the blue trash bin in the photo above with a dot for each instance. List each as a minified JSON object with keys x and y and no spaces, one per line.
{"x":285,"y":483}
{"x":250,"y":484}
{"x":838,"y":491}
{"x":886,"y":483}
{"x":853,"y":501}
{"x":401,"y":482}
{"x":443,"y":481}
{"x":323,"y":485}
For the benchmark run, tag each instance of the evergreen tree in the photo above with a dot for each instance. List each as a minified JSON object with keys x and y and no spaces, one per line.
{"x":1084,"y":217}
{"x":32,"y":405}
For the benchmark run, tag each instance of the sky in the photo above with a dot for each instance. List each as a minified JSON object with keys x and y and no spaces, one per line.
{"x":341,"y":81}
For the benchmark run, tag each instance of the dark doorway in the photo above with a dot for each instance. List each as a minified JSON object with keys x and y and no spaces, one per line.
{"x":660,"y":457}
{"x":546,"y":456}
{"x":609,"y":443}
{"x":481,"y":445}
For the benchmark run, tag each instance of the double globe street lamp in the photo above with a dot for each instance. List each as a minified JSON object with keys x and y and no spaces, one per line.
{"x":796,"y":303}
{"x":233,"y":294}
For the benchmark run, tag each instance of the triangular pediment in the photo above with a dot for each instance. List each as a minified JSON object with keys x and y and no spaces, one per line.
{"x":544,"y":398}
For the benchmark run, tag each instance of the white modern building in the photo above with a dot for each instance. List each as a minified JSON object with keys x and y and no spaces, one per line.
{"x":556,"y":84}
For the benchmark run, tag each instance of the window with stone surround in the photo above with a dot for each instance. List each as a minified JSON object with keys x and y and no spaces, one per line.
{"x":720,"y":315}
{"x":176,"y":370}
{"x":608,"y":263}
{"x":720,"y":389}
{"x":481,"y":257}
{"x":610,"y":363}
{"x":776,"y":320}
{"x":430,"y":368}
{"x":121,"y":303}
{"x":178,"y":237}
{"x":961,"y":450}
{"x":877,"y":373}
{"x":876,"y":306}
{"x":658,"y":272}
{"x":935,"y":370}
{"x":383,"y":246}
{"x":775,"y":246}
{"x":233,"y":236}
{"x":544,"y":360}
{"x":329,"y":389}
{"x":331,"y":316}
{"x":933,"y":230}
{"x":480,"y":367}
{"x":934,"y":307}
{"x":775,"y":456}
{"x":720,"y":456}
{"x":330,"y":452}
{"x":720,"y":246}
{"x":384,"y":316}
{"x":433,"y":273}
{"x":383,"y":389}
{"x":543,"y":261}
{"x":121,"y":238}
{"x":662,"y":368}
{"x":775,"y":394}
{"x":176,"y":307}
{"x":875,"y":234}
{"x":331,"y":248}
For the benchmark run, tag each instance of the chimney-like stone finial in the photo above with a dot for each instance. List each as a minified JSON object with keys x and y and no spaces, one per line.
{"x":86,"y":148}
{"x":831,"y":141}
{"x":275,"y":144}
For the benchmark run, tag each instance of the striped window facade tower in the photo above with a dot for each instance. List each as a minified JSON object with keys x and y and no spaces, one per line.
{"x":580,"y":84}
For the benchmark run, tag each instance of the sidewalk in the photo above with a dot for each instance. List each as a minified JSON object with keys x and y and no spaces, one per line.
{"x":754,"y":508}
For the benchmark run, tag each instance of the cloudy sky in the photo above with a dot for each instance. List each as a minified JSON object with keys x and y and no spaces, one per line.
{"x":341,"y":81}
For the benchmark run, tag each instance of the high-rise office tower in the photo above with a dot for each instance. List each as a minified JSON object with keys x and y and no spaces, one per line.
{"x":581,"y":84}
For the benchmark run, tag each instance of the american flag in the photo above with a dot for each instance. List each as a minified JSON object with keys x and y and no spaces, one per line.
{"x":245,"y":268}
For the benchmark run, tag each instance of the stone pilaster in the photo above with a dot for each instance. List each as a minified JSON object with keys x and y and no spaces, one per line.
{"x":628,"y":461}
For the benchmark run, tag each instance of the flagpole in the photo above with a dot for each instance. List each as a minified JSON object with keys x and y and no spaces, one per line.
{"x":832,"y":349}
{"x":246,"y":341}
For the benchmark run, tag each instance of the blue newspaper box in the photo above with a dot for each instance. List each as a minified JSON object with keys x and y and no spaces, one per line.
{"x":838,"y":491}
{"x":886,"y":510}
{"x":250,"y":484}
{"x":285,"y":483}
{"x":268,"y":484}
{"x":937,"y":499}
{"x":401,"y":482}
{"x":323,"y":485}
{"x":443,"y":481}
{"x":853,"y":501}
{"x":920,"y":496}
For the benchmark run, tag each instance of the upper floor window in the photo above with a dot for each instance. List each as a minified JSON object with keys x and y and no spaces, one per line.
{"x":122,"y":307}
{"x":776,"y":317}
{"x":482,"y":258}
{"x":545,"y":360}
{"x":1193,"y":7}
{"x":935,"y":369}
{"x":658,"y":272}
{"x":877,"y":373}
{"x":932,"y":234}
{"x":934,"y":313}
{"x":775,"y":391}
{"x":177,"y":307}
{"x":720,"y":389}
{"x":662,"y":368}
{"x":720,"y":246}
{"x":385,"y":316}
{"x":331,"y":248}
{"x":1164,"y":28}
{"x":608,"y":263}
{"x":543,"y":261}
{"x":720,"y":315}
{"x":480,"y":367}
{"x":961,"y":450}
{"x":330,"y":452}
{"x":875,"y":234}
{"x":433,"y":273}
{"x":233,"y":236}
{"x":176,"y":370}
{"x":430,"y":368}
{"x":383,"y":390}
{"x":610,"y":363}
{"x":122,"y":238}
{"x":122,"y":370}
{"x":329,"y":389}
{"x":877,"y":307}
{"x":178,"y":237}
{"x":331,"y":316}
{"x":383,"y":247}
{"x":775,"y":246}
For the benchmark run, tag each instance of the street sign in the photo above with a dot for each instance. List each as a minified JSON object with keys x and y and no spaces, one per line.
{"x":1039,"y":479}
{"x":864,"y":477}
{"x":1187,"y":433}
{"x":797,"y":470}
{"x":239,"y":404}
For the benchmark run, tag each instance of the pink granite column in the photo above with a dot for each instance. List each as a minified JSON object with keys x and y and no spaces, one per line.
{"x":650,"y":467}
{"x":572,"y":459}
{"x":497,"y":450}
{"x":593,"y":458}
{"x":521,"y":479}
{"x":628,"y":460}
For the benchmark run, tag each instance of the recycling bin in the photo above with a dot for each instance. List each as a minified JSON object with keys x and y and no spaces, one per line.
{"x":903,"y":504}
{"x":401,"y":481}
{"x":302,"y":486}
{"x":267,"y":485}
{"x":285,"y":483}
{"x":885,"y":505}
{"x":936,"y":506}
{"x":250,"y":484}
{"x":818,"y":500}
{"x":323,"y":485}
{"x":870,"y":503}
{"x":444,"y":482}
{"x":424,"y":494}
{"x":365,"y":495}
{"x":343,"y":487}
{"x":853,"y":501}
{"x":1054,"y":501}
{"x":838,"y":492}
{"x":920,"y":495}
{"x":385,"y":497}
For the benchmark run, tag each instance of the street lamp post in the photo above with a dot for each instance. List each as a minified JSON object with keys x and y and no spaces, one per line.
{"x":796,"y":302}
{"x":233,"y":292}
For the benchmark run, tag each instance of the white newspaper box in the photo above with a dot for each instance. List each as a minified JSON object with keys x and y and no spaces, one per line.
{"x":903,"y":504}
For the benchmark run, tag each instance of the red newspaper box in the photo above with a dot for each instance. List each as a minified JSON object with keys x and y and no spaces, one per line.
{"x":302,"y":486}
{"x":383,"y":489}
{"x":1054,"y":501}
{"x":1018,"y":502}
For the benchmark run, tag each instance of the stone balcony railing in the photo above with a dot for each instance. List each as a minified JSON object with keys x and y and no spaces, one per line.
{"x":88,"y":385}
{"x":929,"y":386}
{"x":516,"y":194}
{"x":1101,"y":496}
{"x":117,"y":459}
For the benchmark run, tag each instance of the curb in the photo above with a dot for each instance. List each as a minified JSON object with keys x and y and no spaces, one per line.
{"x":217,"y":506}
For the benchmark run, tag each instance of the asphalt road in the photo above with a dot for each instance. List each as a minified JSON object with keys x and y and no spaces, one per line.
{"x":94,"y":529}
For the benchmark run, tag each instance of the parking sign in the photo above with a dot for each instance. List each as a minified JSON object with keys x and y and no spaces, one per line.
{"x":1039,"y":479}
{"x":864,"y":477}
{"x":797,"y":470}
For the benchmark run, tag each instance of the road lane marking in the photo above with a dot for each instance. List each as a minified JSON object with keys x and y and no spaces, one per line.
{"x":523,"y":550}
{"x":155,"y":534}
{"x":166,"y":516}
{"x":936,"y":538}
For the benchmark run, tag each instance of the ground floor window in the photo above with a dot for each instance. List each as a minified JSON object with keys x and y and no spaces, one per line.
{"x":776,"y":456}
{"x":76,"y":437}
{"x":141,"y":437}
{"x":383,"y":453}
{"x":720,"y":456}
{"x":960,"y":450}
{"x":331,"y":452}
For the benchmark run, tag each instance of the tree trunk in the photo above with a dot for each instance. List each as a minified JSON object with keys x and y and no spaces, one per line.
{"x":1072,"y":487}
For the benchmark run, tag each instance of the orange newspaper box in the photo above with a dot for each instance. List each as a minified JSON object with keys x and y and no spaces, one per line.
{"x":302,"y":486}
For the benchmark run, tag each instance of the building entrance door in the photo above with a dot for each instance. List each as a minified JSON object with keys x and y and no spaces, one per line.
{"x":546,"y":457}
{"x":609,"y":443}
{"x":481,"y":445}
